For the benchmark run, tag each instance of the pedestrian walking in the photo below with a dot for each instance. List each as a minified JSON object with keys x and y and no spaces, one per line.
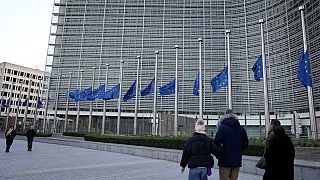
{"x":30,"y":135}
{"x":279,"y":154}
{"x":233,"y":138}
{"x":197,"y":153}
{"x":9,"y":134}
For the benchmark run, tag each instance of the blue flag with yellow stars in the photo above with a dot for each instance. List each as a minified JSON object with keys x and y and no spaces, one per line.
{"x":113,"y":93}
{"x":196,"y":86}
{"x":99,"y":92}
{"x":131,"y":93}
{"x":221,"y":80}
{"x":304,"y":70}
{"x":149,"y":89}
{"x":168,"y":89}
{"x":257,"y":69}
{"x":39,"y":103}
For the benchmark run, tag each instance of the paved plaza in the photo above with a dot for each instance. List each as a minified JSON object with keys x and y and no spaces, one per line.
{"x":50,"y":161}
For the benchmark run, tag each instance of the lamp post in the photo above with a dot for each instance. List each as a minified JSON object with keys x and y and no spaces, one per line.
{"x":153,"y":130}
{"x":176,"y":94}
{"x":78,"y":110}
{"x":136,"y":99}
{"x":27,"y":106}
{"x":9,"y":105}
{"x":37,"y":103}
{"x":105,"y":101}
{"x":91,"y":104}
{"x":67,"y":106}
{"x":120,"y":97}
{"x":18,"y":106}
{"x":56,"y":105}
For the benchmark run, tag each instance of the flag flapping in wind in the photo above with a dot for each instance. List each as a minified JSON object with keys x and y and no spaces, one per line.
{"x":221,"y":80}
{"x":113,"y":93}
{"x":168,"y":89}
{"x":131,"y":93}
{"x":149,"y":89}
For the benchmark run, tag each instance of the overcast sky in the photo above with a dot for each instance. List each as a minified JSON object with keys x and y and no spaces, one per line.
{"x":24,"y":31}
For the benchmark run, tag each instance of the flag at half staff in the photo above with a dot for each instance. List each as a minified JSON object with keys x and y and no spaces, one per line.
{"x":131,"y":93}
{"x":257,"y":69}
{"x":304,"y":70}
{"x":113,"y":93}
{"x":196,"y":86}
{"x":39,"y":104}
{"x":149,"y":89}
{"x":168,"y":89}
{"x":221,"y":80}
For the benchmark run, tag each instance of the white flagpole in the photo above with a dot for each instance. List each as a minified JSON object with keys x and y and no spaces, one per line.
{"x":265,"y":82}
{"x":91,"y":104}
{"x":18,"y":106}
{"x":67,"y":106}
{"x":56,"y":105}
{"x":120,"y":97}
{"x":313,"y":123}
{"x":176,"y":95}
{"x":38,"y":98}
{"x":27,"y":107}
{"x":200,"y":79}
{"x":229,"y":70}
{"x":155,"y":94}
{"x":8,"y":108}
{"x":105,"y":101}
{"x":136,"y":100}
{"x":78,"y":110}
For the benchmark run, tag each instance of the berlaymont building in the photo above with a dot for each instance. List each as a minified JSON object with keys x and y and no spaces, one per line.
{"x":88,"y":34}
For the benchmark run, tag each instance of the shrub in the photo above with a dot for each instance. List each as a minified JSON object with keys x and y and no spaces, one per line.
{"x":76,"y":134}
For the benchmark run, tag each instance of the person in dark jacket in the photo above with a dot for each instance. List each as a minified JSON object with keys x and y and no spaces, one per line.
{"x":197,"y":153}
{"x":279,"y":155}
{"x":233,"y":138}
{"x":30,"y":135}
{"x":10,"y":134}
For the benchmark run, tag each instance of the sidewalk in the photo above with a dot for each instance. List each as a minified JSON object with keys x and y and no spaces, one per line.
{"x":50,"y":161}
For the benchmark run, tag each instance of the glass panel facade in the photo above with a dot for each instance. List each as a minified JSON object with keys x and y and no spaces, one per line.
{"x":95,"y":32}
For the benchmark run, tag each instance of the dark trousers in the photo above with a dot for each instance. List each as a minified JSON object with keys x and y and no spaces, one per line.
{"x":9,"y":142}
{"x":30,"y":140}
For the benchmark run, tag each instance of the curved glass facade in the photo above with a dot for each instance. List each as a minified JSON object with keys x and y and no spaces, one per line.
{"x":91,"y":33}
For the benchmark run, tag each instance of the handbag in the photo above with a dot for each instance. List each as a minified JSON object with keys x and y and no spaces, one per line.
{"x":262,"y":163}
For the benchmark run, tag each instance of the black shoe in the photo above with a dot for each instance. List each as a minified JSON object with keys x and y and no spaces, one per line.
{"x":6,"y":151}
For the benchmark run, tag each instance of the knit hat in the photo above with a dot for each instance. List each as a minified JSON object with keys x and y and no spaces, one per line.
{"x":199,"y":126}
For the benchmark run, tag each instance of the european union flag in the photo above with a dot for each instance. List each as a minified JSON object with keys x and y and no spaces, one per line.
{"x":25,"y":102}
{"x":130,"y":93}
{"x":74,"y":94}
{"x":221,"y":80}
{"x":257,"y":69}
{"x":113,"y":93}
{"x":39,"y":104}
{"x":85,"y":94}
{"x":99,"y":92}
{"x":168,"y":88}
{"x":149,"y":89}
{"x":304,"y":70}
{"x":196,"y":86}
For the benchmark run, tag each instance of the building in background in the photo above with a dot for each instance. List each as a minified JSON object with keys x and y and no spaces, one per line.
{"x":91,"y":33}
{"x":16,"y":80}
